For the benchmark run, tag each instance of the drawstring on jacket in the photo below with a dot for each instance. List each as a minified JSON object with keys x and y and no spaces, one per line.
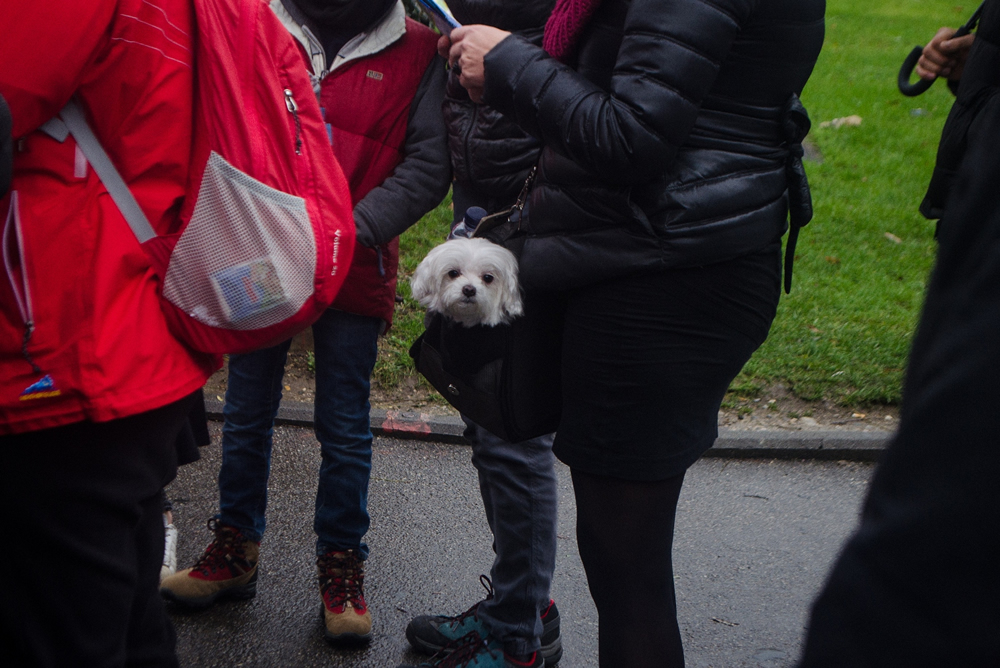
{"x":795,"y":123}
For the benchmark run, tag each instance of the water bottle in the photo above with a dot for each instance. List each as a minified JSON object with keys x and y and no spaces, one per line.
{"x":467,"y":225}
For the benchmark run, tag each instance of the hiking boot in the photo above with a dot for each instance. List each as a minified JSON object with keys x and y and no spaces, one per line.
{"x":472,"y":651}
{"x":341,"y":584}
{"x":430,"y":634}
{"x":227,"y":569}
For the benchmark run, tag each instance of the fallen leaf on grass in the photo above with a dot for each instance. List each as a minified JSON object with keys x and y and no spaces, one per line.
{"x":893,"y":238}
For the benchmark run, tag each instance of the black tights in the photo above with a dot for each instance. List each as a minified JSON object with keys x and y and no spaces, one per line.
{"x":625,"y":531}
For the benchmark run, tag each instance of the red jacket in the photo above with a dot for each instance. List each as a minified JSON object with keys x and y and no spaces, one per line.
{"x":382,"y":101}
{"x":368,"y":140}
{"x":99,"y":349}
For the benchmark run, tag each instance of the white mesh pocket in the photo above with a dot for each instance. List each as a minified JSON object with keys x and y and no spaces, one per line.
{"x":247,"y":258}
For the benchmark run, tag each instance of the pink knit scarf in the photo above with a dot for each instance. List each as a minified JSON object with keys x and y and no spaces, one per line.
{"x":565,"y":25}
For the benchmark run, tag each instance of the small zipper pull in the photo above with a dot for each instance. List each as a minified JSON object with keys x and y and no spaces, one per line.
{"x":293,"y":109}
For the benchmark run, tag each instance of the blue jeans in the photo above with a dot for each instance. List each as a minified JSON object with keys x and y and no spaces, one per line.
{"x":518,"y":485}
{"x":346,"y":346}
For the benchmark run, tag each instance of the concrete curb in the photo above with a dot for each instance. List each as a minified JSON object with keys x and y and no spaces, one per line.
{"x":732,"y":443}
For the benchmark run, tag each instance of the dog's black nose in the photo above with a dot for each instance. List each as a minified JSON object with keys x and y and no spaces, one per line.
{"x":469,"y":290}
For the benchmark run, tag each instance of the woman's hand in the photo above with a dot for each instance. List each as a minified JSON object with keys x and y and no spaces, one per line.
{"x":468,"y":47}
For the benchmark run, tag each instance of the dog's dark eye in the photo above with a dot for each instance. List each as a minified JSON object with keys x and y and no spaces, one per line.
{"x":454,"y":273}
{"x":487,"y":278}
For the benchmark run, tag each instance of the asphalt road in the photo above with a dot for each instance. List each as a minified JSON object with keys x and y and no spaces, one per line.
{"x":754,"y":540}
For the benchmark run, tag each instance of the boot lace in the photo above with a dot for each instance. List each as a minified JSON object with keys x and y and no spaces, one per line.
{"x":225,"y":552}
{"x":471,"y":612}
{"x":341,"y":579}
{"x":460,"y":653}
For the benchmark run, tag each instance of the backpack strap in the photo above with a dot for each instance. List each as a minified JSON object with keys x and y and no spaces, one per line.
{"x":76,"y":124}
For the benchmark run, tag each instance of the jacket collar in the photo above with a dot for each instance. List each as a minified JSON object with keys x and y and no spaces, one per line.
{"x":385,"y":33}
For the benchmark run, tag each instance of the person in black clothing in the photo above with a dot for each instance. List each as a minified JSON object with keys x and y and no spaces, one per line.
{"x":917,"y":585}
{"x":491,"y":157}
{"x":671,"y":134}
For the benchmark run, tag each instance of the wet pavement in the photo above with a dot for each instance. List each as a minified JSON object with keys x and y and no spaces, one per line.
{"x":754,"y":540}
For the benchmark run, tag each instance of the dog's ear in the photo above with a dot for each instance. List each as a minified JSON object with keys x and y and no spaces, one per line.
{"x":510,"y":298}
{"x":424,"y":282}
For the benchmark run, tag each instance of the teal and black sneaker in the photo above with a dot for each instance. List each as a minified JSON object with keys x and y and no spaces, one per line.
{"x":472,"y":651}
{"x":431,"y":634}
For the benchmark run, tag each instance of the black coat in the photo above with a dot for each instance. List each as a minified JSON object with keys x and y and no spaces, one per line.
{"x":917,"y":585}
{"x":490,"y":154}
{"x":664,"y":142}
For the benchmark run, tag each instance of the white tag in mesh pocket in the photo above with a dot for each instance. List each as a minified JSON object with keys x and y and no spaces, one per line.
{"x":247,"y":258}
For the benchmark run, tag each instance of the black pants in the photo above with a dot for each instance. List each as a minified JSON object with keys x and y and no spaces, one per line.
{"x":81,"y":519}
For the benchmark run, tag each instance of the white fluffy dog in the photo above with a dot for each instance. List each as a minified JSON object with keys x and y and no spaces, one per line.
{"x":472,"y":281}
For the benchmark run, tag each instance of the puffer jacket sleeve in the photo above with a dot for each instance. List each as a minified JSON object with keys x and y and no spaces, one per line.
{"x":42,"y":61}
{"x":670,"y":54}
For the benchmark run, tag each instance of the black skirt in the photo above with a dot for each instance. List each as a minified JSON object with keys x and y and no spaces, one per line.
{"x":648,"y":359}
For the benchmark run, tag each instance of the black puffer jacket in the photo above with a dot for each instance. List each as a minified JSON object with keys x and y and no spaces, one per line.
{"x":667,"y":145}
{"x":490,"y":154}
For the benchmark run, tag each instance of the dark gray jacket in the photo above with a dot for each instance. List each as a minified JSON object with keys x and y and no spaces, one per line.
{"x":664,"y":142}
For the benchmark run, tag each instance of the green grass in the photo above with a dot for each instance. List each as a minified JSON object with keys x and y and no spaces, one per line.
{"x":844,"y":332}
{"x":394,"y":361}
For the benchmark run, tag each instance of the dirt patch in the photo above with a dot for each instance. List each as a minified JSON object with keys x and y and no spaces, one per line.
{"x":775,"y":408}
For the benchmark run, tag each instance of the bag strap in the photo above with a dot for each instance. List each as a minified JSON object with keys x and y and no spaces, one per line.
{"x":512,"y":215}
{"x":76,"y":124}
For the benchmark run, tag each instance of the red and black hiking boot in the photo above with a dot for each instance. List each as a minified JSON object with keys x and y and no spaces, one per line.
{"x":341,"y":584}
{"x":227,"y":569}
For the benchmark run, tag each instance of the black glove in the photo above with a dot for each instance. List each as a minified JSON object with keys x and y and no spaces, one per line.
{"x":6,"y":147}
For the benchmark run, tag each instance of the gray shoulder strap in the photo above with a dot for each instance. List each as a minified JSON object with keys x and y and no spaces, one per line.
{"x":55,"y":128}
{"x":76,"y":123}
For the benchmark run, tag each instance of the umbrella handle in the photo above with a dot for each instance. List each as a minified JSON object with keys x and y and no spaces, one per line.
{"x":905,"y":87}
{"x":914,"y":89}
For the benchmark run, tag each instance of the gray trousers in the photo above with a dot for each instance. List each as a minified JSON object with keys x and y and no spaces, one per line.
{"x":518,"y":485}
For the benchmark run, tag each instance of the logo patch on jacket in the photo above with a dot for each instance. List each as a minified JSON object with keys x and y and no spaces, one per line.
{"x":372,"y":74}
{"x":43,"y":389}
